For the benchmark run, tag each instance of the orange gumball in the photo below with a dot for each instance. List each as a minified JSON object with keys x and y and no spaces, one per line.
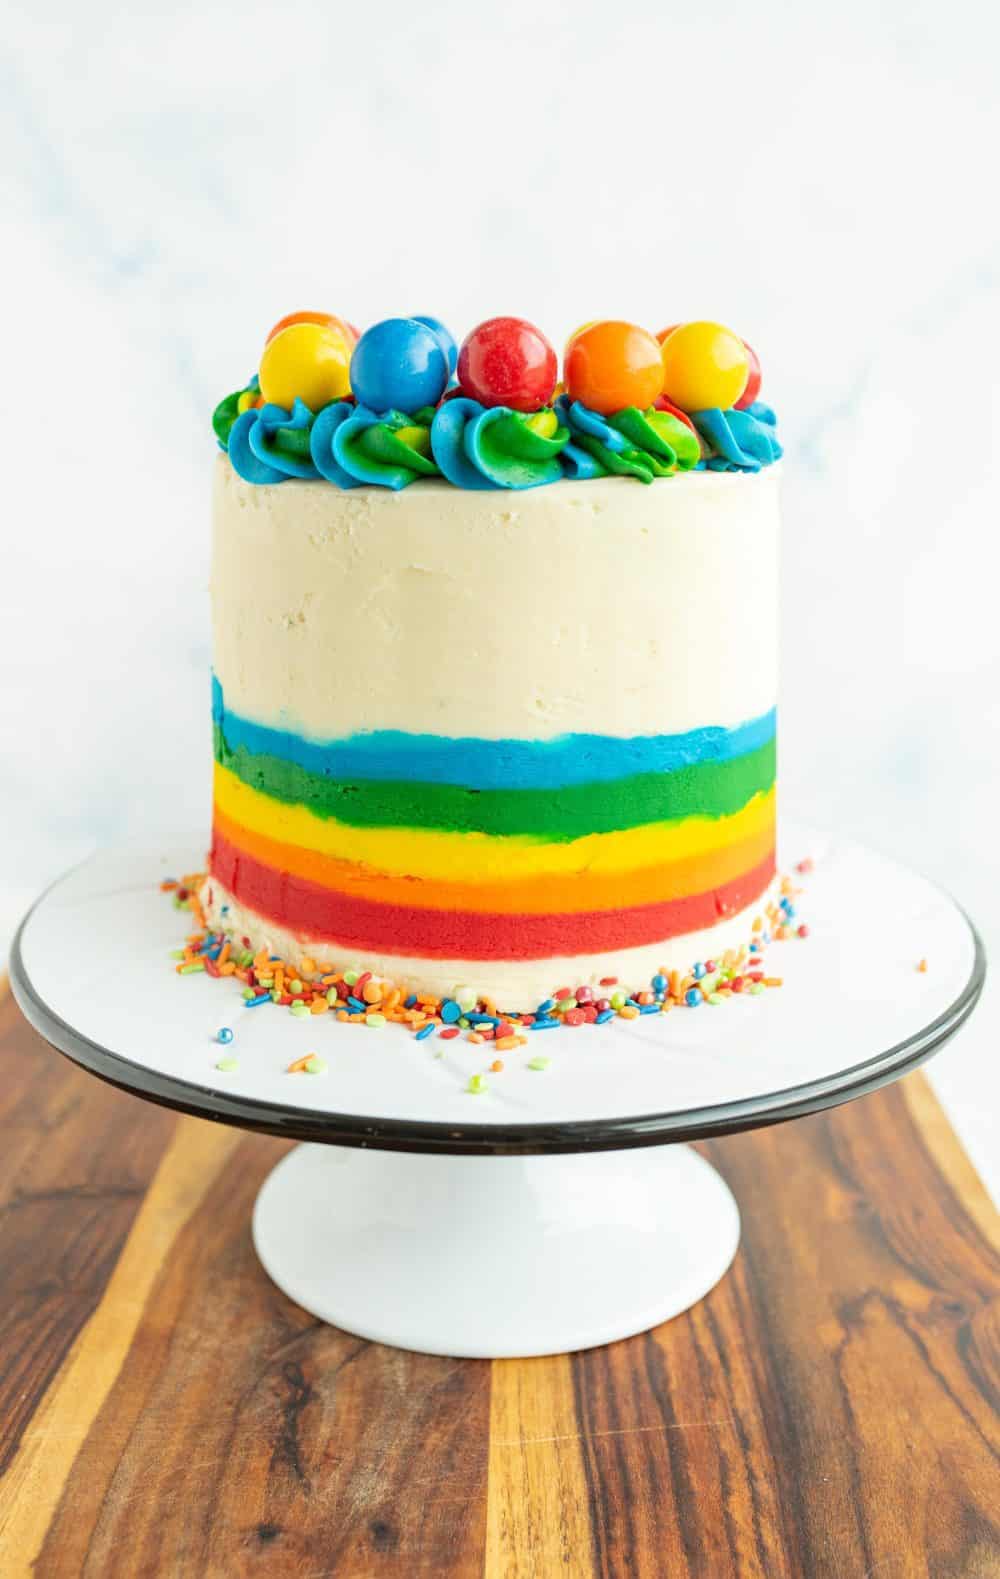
{"x":611,"y":365}
{"x":329,"y":320}
{"x":588,"y":325}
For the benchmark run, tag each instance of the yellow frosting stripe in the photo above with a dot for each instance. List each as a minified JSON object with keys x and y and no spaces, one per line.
{"x":428,"y":853}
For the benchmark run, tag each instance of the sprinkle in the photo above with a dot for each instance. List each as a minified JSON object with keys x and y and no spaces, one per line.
{"x":255,"y":1003}
{"x":565,"y":1004}
{"x":450,"y":1011}
{"x":474,"y":1036}
{"x":574,"y":1017}
{"x":410,"y":1001}
{"x":773,"y":981}
{"x":374,"y":1019}
{"x":190,"y":970}
{"x":715,"y":997}
{"x":506,"y":1044}
{"x":806,"y":866}
{"x":298,"y":1009}
{"x":424,"y":1032}
{"x":357,"y":1004}
{"x":617,"y":1000}
{"x":692,"y":997}
{"x":223,"y":1034}
{"x":922,"y":966}
{"x":447,"y":1032}
{"x":372,"y":992}
{"x":477,"y":1086}
{"x":497,"y":1066}
{"x":658,"y":983}
{"x":698,"y":971}
{"x":539,"y":1064}
{"x":649,"y":1008}
{"x":802,"y":931}
{"x":227,"y":1065}
{"x":609,"y":981}
{"x":584,"y":994}
{"x":756,"y":987}
{"x":545,"y":1025}
{"x":629,"y":1012}
{"x":466,"y":998}
{"x":351,"y":978}
{"x":604,"y":1016}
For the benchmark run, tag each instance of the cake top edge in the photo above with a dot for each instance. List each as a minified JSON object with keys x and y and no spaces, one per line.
{"x":403,"y":403}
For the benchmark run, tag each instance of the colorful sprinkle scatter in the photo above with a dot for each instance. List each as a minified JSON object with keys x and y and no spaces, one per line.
{"x":308,"y":988}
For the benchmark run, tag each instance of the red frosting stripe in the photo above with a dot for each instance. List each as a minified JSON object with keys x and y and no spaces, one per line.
{"x":366,"y":924}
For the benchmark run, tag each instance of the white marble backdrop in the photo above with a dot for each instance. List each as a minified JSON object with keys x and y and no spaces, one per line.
{"x":177,"y":176}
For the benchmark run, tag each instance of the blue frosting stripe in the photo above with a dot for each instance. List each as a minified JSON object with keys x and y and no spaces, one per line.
{"x":391,"y":754}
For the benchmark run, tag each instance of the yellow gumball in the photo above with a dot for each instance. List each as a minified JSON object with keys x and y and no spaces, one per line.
{"x":306,"y":361}
{"x":705,"y":365}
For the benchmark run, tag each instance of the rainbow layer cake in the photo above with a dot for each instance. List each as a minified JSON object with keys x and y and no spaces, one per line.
{"x":495,"y":662}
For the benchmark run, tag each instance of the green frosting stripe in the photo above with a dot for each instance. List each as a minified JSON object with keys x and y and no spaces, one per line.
{"x":704,"y":789}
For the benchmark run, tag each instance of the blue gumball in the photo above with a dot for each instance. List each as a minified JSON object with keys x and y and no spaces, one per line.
{"x":446,"y":339}
{"x":399,"y":365}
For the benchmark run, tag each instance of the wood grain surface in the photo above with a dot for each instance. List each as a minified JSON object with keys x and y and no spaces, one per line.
{"x":830,"y":1410}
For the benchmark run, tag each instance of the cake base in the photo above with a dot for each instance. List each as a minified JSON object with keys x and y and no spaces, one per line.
{"x":487,"y":1257}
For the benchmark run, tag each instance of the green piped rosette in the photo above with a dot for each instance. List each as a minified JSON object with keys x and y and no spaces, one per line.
{"x":231,"y":407}
{"x":390,"y":449}
{"x":517,"y":450}
{"x":630,"y":442}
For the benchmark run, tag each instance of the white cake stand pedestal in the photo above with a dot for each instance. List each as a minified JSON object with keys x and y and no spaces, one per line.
{"x":559,"y":1210}
{"x":494,"y":1256}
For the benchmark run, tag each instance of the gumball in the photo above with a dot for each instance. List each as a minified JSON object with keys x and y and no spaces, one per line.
{"x":752,"y":390}
{"x":661,"y":334}
{"x":507,"y":362}
{"x":306,"y":361}
{"x":705,"y":365}
{"x":399,"y":364}
{"x":445,"y":338}
{"x":569,"y":341}
{"x":612,"y":365}
{"x":330,"y":319}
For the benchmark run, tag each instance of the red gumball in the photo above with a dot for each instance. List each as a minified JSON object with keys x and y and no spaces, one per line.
{"x":752,"y":390}
{"x":507,"y":362}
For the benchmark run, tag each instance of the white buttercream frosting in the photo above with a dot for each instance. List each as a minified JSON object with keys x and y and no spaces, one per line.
{"x":605,"y":606}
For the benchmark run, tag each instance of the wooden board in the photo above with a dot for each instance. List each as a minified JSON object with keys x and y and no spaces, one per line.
{"x":828,"y":1412}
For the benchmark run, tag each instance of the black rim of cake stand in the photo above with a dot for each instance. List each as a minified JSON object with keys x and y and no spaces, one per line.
{"x":578,"y":1135}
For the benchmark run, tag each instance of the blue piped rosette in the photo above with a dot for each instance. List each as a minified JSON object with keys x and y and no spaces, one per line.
{"x":740,"y":441}
{"x":479,"y":447}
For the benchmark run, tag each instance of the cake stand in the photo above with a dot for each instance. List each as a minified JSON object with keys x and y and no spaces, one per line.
{"x":556,"y":1210}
